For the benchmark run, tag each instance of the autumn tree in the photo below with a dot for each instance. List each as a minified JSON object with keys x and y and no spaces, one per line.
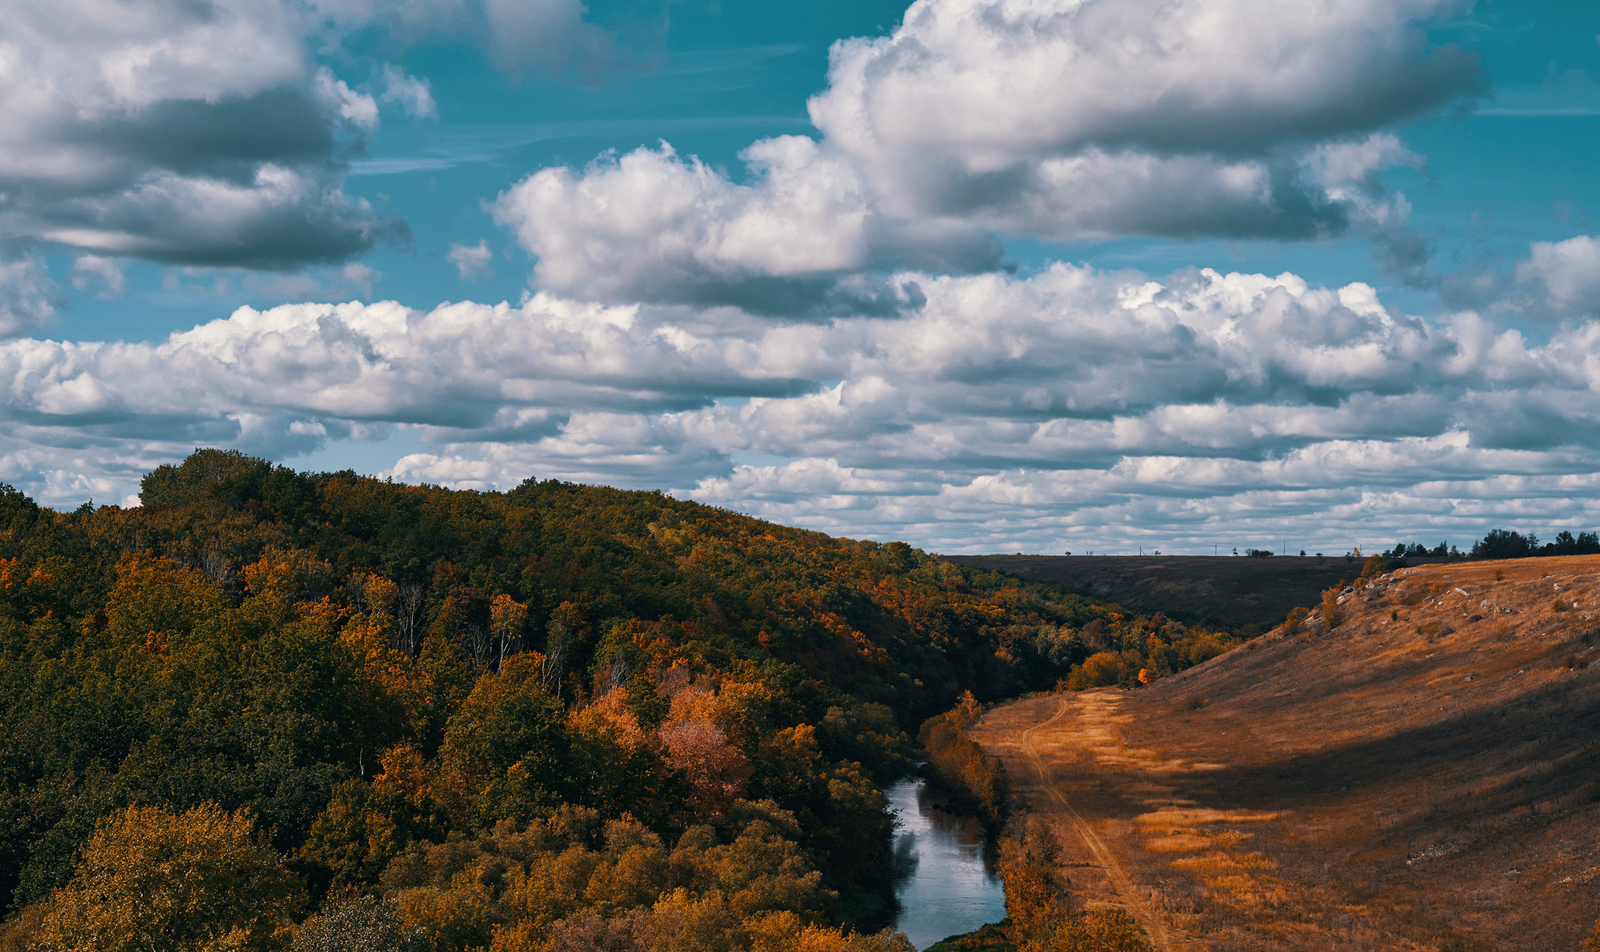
{"x":151,"y":881}
{"x":359,"y":924}
{"x":1029,"y":857}
{"x":507,"y":616}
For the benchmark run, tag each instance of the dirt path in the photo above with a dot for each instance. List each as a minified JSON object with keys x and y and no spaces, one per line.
{"x":1420,"y":778}
{"x":1152,"y":922}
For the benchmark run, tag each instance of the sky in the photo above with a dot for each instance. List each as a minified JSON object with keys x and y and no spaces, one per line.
{"x":981,"y":275}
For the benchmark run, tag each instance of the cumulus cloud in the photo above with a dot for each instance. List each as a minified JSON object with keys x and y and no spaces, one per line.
{"x":179,"y":133}
{"x":977,"y":102}
{"x":653,"y":226}
{"x":207,"y":133}
{"x":413,"y":95}
{"x":471,"y":261}
{"x":1066,"y":405}
{"x":29,"y":299}
{"x":1565,"y":273}
{"x":1055,"y":120}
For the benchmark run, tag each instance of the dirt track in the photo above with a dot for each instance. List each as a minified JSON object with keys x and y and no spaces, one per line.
{"x":1424,"y":777}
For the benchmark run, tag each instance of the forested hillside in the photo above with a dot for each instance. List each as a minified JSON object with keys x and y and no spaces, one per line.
{"x":508,"y":716}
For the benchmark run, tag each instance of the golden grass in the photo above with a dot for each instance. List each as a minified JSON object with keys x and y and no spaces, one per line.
{"x":1179,"y":840}
{"x":1194,"y":816}
{"x":1178,"y":843}
{"x":1218,"y":863}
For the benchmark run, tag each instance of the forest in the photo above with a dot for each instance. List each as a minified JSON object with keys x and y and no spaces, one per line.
{"x":278,"y":710}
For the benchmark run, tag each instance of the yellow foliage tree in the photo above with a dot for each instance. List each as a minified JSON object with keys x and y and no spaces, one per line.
{"x":150,"y":881}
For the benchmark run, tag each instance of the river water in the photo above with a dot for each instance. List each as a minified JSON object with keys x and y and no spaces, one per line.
{"x":947,"y":883}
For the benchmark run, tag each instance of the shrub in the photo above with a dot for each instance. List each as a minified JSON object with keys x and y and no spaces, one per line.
{"x":1332,"y":611}
{"x":1371,"y":569}
{"x":1297,"y":617}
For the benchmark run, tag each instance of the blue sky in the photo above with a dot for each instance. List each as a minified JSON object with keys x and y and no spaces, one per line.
{"x":999,"y":275}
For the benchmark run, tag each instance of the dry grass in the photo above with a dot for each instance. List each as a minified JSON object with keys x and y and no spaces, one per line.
{"x":1422,"y":777}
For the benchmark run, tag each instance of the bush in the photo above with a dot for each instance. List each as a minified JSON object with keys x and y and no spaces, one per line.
{"x":1332,"y":611}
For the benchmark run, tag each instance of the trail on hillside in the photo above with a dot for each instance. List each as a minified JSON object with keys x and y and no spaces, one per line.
{"x":1152,"y":922}
{"x":1418,"y":776}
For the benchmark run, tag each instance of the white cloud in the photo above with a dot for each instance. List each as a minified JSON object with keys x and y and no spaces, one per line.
{"x":207,"y":133}
{"x":1057,"y":119}
{"x":1567,"y":274}
{"x":1069,"y":405}
{"x":358,"y":109}
{"x":29,"y":299}
{"x":653,"y":226}
{"x":414,"y":95}
{"x":103,"y":274}
{"x":984,"y":94}
{"x":471,"y":261}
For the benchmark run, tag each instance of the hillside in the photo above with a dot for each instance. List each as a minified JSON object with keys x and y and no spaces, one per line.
{"x":1424,"y":776}
{"x":473,"y":707}
{"x":1229,"y":591}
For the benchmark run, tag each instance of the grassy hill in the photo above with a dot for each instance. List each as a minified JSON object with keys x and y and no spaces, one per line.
{"x":1422,"y":775}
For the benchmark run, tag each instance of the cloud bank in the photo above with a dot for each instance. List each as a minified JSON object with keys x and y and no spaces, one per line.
{"x":1061,"y":405}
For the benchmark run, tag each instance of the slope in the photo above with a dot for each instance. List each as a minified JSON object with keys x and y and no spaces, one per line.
{"x":1425,"y":776}
{"x":376,"y":673}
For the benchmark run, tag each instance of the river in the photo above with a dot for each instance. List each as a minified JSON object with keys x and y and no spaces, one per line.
{"x":947,"y":883}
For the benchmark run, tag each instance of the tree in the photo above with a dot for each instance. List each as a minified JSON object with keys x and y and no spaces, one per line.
{"x":363,"y":924}
{"x":1029,"y":855}
{"x":149,"y":881}
{"x":1502,"y":544}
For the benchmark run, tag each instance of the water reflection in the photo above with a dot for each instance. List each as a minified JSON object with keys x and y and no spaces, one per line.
{"x":945,"y":868}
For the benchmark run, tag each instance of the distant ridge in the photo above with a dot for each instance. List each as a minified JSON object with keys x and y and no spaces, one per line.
{"x":1230,"y":591}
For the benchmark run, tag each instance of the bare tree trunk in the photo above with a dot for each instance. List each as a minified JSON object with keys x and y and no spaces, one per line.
{"x":408,"y":619}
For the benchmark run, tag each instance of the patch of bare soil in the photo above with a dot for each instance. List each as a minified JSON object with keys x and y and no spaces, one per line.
{"x":1228,"y":591}
{"x":1425,"y":776}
